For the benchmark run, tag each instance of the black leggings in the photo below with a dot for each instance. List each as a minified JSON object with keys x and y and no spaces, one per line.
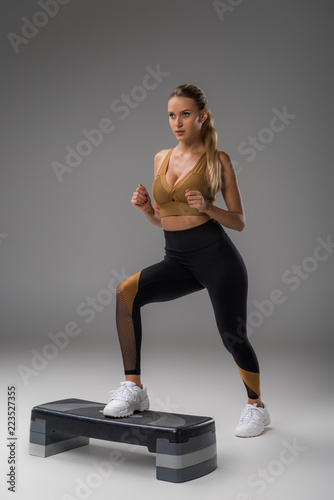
{"x":200,"y":257}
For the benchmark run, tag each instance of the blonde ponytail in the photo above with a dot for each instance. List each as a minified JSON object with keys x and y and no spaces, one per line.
{"x":210,"y":136}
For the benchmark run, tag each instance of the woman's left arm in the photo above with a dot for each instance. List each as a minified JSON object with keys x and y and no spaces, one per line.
{"x":234,"y":217}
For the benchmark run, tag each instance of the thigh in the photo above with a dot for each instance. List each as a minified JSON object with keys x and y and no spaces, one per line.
{"x":223,"y":272}
{"x":165,"y":280}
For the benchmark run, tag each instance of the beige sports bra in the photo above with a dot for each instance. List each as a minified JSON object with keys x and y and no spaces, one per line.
{"x":172,"y":201}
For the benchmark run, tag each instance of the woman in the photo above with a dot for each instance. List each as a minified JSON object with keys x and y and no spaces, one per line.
{"x":198,"y":254}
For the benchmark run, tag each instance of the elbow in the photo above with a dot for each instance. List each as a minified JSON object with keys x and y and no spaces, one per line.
{"x":242,"y":223}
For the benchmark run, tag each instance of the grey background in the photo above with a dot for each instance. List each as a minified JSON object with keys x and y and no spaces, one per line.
{"x":61,"y":242}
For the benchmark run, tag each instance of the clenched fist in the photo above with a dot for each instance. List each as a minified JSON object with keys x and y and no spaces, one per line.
{"x":196,"y":200}
{"x":141,"y":199}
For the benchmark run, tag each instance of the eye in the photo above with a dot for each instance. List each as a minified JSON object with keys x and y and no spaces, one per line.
{"x":185,"y":113}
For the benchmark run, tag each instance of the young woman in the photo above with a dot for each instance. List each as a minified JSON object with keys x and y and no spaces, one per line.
{"x":198,"y":254}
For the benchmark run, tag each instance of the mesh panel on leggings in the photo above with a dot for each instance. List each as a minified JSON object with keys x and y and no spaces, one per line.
{"x":126,"y":334}
{"x":251,"y":394}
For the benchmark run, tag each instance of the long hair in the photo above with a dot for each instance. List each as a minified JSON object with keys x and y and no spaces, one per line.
{"x":208,"y":133}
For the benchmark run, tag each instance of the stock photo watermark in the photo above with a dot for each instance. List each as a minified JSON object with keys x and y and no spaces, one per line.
{"x":275,"y":468}
{"x":60,"y":340}
{"x":228,"y":6}
{"x":257,"y":143}
{"x":294,"y":277}
{"x":84,"y":488}
{"x":265,"y":135}
{"x":265,"y":476}
{"x":122,"y":107}
{"x":103,"y":470}
{"x":31,"y":27}
{"x":11,"y":475}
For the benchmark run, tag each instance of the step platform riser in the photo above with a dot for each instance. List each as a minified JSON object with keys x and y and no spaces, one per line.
{"x":185,"y":445}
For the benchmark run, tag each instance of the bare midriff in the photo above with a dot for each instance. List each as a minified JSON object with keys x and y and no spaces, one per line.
{"x":180,"y":222}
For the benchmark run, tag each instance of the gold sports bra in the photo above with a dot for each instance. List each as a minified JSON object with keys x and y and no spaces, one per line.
{"x":172,"y":201}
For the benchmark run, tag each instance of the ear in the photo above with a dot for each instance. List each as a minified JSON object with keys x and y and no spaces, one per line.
{"x":204,"y":115}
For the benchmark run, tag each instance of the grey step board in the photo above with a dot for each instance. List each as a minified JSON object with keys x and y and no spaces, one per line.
{"x":185,"y":445}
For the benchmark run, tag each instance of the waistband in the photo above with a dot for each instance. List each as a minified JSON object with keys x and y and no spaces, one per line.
{"x":195,"y":237}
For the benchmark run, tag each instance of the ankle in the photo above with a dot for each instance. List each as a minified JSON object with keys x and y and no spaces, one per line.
{"x":258,"y":402}
{"x":135,"y":379}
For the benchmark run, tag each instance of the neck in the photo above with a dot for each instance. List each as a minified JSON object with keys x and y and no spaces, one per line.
{"x":191,"y":146}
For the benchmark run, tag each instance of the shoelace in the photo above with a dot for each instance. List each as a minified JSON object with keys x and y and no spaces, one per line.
{"x":249,"y":414}
{"x":123,"y":393}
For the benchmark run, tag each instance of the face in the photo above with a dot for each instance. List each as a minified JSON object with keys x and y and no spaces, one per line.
{"x":185,"y":116}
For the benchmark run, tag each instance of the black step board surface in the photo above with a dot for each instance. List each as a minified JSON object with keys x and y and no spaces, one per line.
{"x":76,"y":416}
{"x":185,"y":445}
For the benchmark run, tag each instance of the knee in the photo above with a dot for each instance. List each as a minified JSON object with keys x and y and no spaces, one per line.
{"x":232,"y":341}
{"x":129,"y":286}
{"x":127,"y":290}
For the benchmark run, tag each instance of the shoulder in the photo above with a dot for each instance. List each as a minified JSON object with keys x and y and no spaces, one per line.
{"x":161,"y":154}
{"x":224,"y":158}
{"x":159,"y":158}
{"x":226,"y":162}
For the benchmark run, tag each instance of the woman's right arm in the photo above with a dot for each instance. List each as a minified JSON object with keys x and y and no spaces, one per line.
{"x":153,"y":216}
{"x":141,"y":198}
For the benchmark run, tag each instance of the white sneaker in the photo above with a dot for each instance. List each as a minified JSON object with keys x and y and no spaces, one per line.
{"x":125,"y":400}
{"x":252,"y":421}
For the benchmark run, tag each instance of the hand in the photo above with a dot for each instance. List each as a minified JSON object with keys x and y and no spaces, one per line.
{"x":196,"y":200}
{"x":141,"y":199}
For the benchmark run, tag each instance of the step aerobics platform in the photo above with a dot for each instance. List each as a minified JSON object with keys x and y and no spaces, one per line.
{"x":185,"y":445}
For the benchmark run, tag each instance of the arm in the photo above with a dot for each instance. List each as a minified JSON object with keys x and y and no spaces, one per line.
{"x":153,"y":215}
{"x":234,"y":217}
{"x":141,"y":198}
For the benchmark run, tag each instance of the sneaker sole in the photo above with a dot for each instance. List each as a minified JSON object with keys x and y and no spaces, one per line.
{"x":248,"y":436}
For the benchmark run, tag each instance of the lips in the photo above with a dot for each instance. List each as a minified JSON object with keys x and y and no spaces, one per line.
{"x":180,"y":131}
